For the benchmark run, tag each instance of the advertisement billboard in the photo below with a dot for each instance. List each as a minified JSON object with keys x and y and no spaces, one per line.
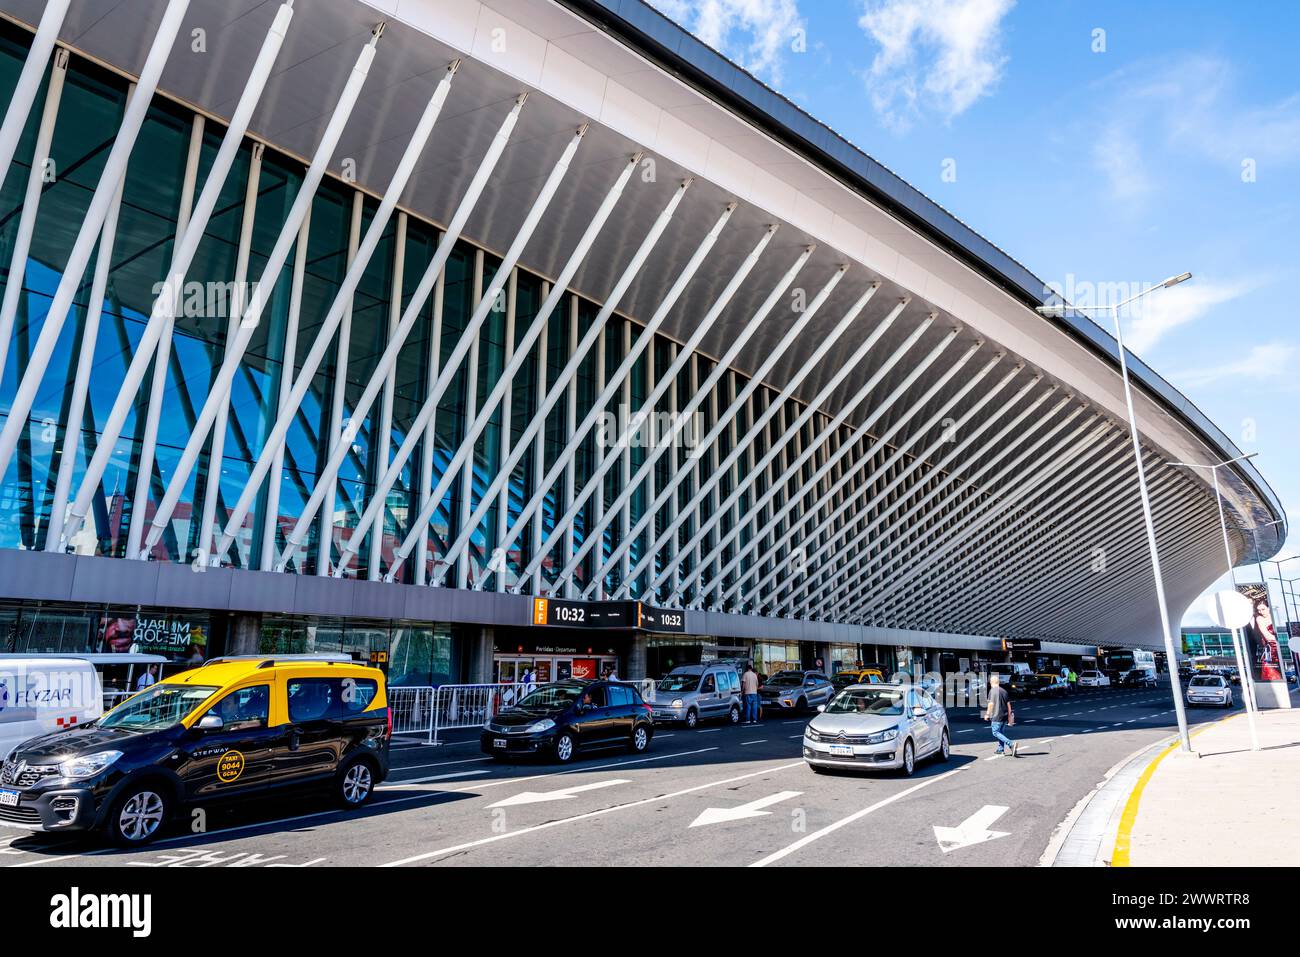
{"x":1263,"y":649}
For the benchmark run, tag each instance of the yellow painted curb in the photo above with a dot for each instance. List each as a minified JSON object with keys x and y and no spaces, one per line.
{"x":1124,"y":836}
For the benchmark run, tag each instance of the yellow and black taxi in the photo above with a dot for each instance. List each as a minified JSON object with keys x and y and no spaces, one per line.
{"x":228,"y":729}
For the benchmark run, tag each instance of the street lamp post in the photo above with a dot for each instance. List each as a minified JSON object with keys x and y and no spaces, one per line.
{"x":1238,"y":643}
{"x":1171,"y":657}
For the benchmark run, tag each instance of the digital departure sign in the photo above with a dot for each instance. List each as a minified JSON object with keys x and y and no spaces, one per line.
{"x":563,"y":613}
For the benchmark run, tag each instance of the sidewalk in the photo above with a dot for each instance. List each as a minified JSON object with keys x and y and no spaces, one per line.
{"x":1231,"y":807}
{"x":1163,"y":807}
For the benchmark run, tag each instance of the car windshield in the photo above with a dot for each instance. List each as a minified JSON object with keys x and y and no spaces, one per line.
{"x":1206,"y":681}
{"x":867,"y":701}
{"x":158,"y":707}
{"x":786,"y":678}
{"x":677,"y":683}
{"x":551,"y":697}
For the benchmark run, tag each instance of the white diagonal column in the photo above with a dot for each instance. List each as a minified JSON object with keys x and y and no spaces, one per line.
{"x":570,"y":370}
{"x":637,"y":422}
{"x":700,"y":394}
{"x":220,"y":389}
{"x":91,"y":224}
{"x":288,"y":362}
{"x":846,"y":508}
{"x":792,"y":433}
{"x":29,"y":83}
{"x":836,"y":560}
{"x":616,"y":382}
{"x":821,"y":440}
{"x":164,"y":306}
{"x":518,"y":358}
{"x":466,"y":343}
{"x":31,"y":203}
{"x":774,"y":408}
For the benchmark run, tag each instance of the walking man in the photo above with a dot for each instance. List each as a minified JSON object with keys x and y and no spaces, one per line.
{"x":749,"y":687}
{"x":999,"y":714}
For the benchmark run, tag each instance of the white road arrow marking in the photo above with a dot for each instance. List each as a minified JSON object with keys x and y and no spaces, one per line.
{"x":720,"y":815}
{"x":564,"y":794}
{"x":973,"y":830}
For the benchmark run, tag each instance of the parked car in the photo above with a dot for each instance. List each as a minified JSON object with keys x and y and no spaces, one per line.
{"x":567,"y":717}
{"x":864,"y":676}
{"x":877,"y":727}
{"x":1048,"y":684}
{"x":1093,"y":679}
{"x":231,"y":728}
{"x":1209,"y":690}
{"x":690,"y":694}
{"x":796,"y":691}
{"x":1139,"y":678}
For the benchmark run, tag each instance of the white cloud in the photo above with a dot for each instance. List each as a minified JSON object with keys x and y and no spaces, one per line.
{"x":938,"y":55}
{"x":1154,"y":316}
{"x":1164,"y":111}
{"x":1265,"y":361}
{"x":754,"y":33}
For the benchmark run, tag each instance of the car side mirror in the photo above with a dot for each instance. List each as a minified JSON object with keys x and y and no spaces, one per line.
{"x":211,"y":722}
{"x":821,"y":708}
{"x":918,"y":712}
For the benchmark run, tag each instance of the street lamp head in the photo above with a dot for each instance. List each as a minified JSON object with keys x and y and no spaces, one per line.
{"x":1175,"y":280}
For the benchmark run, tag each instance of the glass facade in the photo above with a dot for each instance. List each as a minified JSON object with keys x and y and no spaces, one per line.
{"x":139,"y":257}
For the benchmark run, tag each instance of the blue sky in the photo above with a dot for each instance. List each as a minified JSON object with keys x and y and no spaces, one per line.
{"x":1096,"y":142}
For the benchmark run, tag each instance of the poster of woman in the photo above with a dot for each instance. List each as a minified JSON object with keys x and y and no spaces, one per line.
{"x":1261,"y":637}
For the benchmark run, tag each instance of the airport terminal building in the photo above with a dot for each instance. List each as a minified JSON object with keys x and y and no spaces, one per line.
{"x":468,"y":336}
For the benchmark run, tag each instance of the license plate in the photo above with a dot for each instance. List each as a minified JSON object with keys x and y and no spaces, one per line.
{"x":842,"y":750}
{"x":498,"y":742}
{"x":9,"y":798}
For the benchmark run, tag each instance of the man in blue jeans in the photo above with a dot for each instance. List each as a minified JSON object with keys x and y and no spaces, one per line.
{"x":749,"y":688}
{"x":998,"y":714}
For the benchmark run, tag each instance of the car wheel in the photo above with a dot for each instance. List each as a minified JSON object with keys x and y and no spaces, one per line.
{"x":734,"y":715}
{"x":945,"y":746}
{"x":692,"y":718}
{"x":640,"y":739}
{"x":564,"y":748}
{"x":909,"y":758}
{"x":355,"y":783}
{"x":801,"y":704}
{"x":138,"y":815}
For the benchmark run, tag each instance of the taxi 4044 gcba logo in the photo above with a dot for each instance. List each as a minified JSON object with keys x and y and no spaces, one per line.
{"x":230,"y":766}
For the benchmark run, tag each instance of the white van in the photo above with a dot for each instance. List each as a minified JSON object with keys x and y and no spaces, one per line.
{"x":40,"y":694}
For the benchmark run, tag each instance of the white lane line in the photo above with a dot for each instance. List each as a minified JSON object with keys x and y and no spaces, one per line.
{"x":453,"y":774}
{"x":966,"y":731}
{"x":759,"y":741}
{"x":995,"y":757}
{"x":579,"y":769}
{"x":440,"y":764}
{"x":668,"y":735}
{"x":855,"y":816}
{"x":707,"y":730}
{"x":796,"y":736}
{"x":796,"y":721}
{"x":590,"y":814}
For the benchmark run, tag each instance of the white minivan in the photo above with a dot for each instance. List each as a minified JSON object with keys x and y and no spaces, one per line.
{"x":40,"y":694}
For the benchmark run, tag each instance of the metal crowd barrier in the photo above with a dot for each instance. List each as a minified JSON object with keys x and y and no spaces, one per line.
{"x":429,"y":711}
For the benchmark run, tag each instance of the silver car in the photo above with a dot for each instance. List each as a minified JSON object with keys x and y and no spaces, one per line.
{"x":693,"y":693}
{"x":877,"y":726}
{"x":1209,"y":689}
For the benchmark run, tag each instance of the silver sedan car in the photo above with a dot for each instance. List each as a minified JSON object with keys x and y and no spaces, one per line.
{"x":877,"y":726}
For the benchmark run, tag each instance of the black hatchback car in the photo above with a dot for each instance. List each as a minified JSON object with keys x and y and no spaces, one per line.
{"x":566,"y":717}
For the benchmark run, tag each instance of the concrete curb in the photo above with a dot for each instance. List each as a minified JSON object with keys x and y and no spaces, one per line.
{"x":1087,"y":834}
{"x":1087,"y":837}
